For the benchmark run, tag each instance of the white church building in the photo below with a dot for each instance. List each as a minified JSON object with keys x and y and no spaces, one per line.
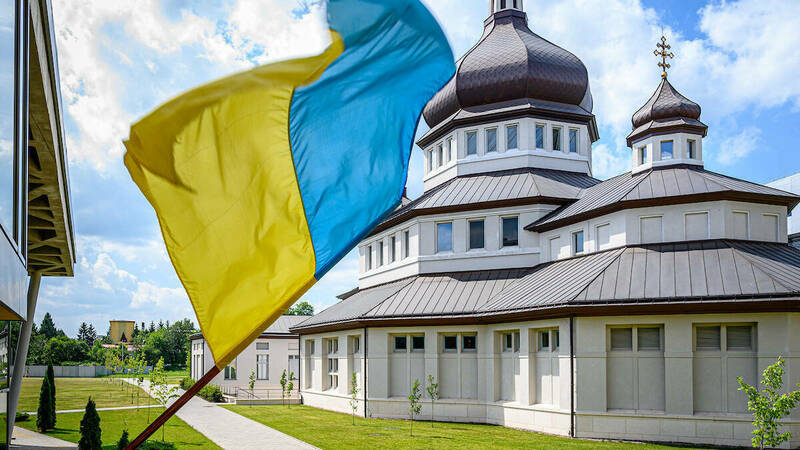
{"x":544,"y":299}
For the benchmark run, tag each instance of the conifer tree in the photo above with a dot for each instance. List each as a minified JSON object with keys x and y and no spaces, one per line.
{"x":51,"y":380}
{"x":90,"y":428}
{"x":123,"y":440}
{"x":44,"y":412}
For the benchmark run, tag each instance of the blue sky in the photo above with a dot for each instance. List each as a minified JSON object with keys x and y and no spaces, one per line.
{"x":119,"y":60}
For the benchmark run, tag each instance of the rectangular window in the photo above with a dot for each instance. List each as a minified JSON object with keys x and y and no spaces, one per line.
{"x":333,"y":346}
{"x":262,"y":367}
{"x":556,"y":138}
{"x":508,"y":342}
{"x":469,"y":342}
{"x":544,"y":340}
{"x":309,"y":347}
{"x":650,"y":229}
{"x":666,"y":150}
{"x":577,"y":242}
{"x":603,"y":233}
{"x":417,"y":342}
{"x":621,"y":339}
{"x":696,"y":226}
{"x":262,"y":345}
{"x":430,"y":160}
{"x":400,"y":343}
{"x":475,"y":234}
{"x":573,"y":141}
{"x":405,"y":244}
{"x":707,"y":337}
{"x":491,"y":140}
{"x":380,"y":253}
{"x":450,"y":343}
{"x":540,"y":136}
{"x":369,"y":257}
{"x":510,"y":231}
{"x":444,"y":237}
{"x":392,"y":249}
{"x":741,"y":225}
{"x":556,"y":340}
{"x":511,"y":137}
{"x":516,"y":341}
{"x":452,"y":149}
{"x":439,"y":155}
{"x":356,"y":344}
{"x":10,"y":119}
{"x":230,"y":371}
{"x":649,"y":338}
{"x":472,"y":142}
{"x":739,"y":337}
{"x":643,"y":155}
{"x":690,"y":152}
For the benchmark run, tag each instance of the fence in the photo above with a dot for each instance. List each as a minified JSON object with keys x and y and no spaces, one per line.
{"x":73,"y":371}
{"x":260,"y":396}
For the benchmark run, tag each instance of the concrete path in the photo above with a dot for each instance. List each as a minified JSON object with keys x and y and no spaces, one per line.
{"x":24,"y":438}
{"x":230,"y":430}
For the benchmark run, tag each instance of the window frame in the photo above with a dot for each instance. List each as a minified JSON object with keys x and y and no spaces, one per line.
{"x":395,"y":340}
{"x":537,"y":128}
{"x":445,"y":349}
{"x":467,"y":135}
{"x":574,"y":242}
{"x":573,"y":144}
{"x":379,"y":253}
{"x":503,"y":220}
{"x":258,"y":365}
{"x":392,"y":249}
{"x":508,"y":127}
{"x":368,"y":256}
{"x":406,"y":244}
{"x":439,"y":154}
{"x":691,"y":149}
{"x":671,"y":150}
{"x":482,"y":221}
{"x":464,"y":348}
{"x":642,"y":154}
{"x":414,"y":340}
{"x":487,"y":131}
{"x":556,"y":140}
{"x":438,"y":224}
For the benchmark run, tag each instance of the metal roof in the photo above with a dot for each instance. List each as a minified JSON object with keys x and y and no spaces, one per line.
{"x":279,"y":327}
{"x":718,"y":270}
{"x":518,"y":186}
{"x":666,"y":109}
{"x":511,"y":62}
{"x":678,"y":183}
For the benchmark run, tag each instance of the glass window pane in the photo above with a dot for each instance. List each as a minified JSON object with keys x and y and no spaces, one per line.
{"x":643,"y":154}
{"x":739,"y":337}
{"x":417,"y":342}
{"x":577,"y":242}
{"x":666,"y":150}
{"x":439,"y":155}
{"x":452,"y":149}
{"x":511,"y":137}
{"x":649,"y":338}
{"x":468,"y":342}
{"x":621,"y":339}
{"x":405,"y":244}
{"x":400,"y":343}
{"x":708,"y":338}
{"x":450,"y":342}
{"x":573,"y":141}
{"x":7,"y":121}
{"x":510,"y":231}
{"x":476,"y":234}
{"x":491,"y":140}
{"x":539,"y":136}
{"x":472,"y":143}
{"x":430,"y":160}
{"x":690,"y":149}
{"x":444,"y":237}
{"x":556,"y":138}
{"x":544,"y":339}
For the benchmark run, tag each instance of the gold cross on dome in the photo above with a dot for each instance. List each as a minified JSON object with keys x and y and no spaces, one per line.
{"x":661,"y":50}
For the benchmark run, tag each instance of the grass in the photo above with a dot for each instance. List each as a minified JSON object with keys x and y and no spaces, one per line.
{"x":72,"y":393}
{"x":173,"y":375}
{"x":112,"y":423}
{"x":326,"y":429}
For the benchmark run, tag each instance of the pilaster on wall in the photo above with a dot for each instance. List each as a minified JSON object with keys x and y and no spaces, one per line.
{"x":678,"y":356}
{"x":431,"y":356}
{"x":590,"y":365}
{"x":526,"y":381}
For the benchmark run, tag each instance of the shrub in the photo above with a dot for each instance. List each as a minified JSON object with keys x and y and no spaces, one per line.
{"x":52,"y":380}
{"x":769,"y":405}
{"x":186,"y":383}
{"x":44,"y":421}
{"x":212,"y":394}
{"x":90,"y":428}
{"x":22,"y":417}
{"x":123,"y":440}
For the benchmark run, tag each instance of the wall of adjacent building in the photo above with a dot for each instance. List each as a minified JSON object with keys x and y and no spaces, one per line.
{"x":676,"y":392}
{"x":790,"y":184}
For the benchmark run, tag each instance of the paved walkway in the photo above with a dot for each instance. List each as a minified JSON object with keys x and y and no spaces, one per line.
{"x":230,"y":430}
{"x":24,"y":438}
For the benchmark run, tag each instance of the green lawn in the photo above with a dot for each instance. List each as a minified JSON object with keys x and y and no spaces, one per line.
{"x":326,"y":429}
{"x":112,"y":423}
{"x":72,"y":393}
{"x":173,"y":376}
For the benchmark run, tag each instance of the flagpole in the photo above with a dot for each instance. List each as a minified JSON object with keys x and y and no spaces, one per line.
{"x":173,"y":408}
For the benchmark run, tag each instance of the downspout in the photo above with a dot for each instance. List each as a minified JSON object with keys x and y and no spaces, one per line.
{"x":365,"y":370}
{"x":299,"y":371}
{"x":571,"y":379}
{"x":23,"y":343}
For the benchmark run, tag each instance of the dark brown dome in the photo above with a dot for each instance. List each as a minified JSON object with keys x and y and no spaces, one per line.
{"x":511,"y":62}
{"x":666,"y":103}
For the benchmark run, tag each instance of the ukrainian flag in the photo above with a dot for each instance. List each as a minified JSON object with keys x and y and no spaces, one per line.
{"x":263,"y":180}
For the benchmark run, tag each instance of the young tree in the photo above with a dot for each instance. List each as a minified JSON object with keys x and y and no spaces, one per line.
{"x":283,"y":387}
{"x":51,"y":380}
{"x":43,"y":419}
{"x":159,"y":388}
{"x":252,"y":380}
{"x":433,"y":393}
{"x":354,"y":395}
{"x":414,"y":404}
{"x":769,"y":405}
{"x":90,"y":428}
{"x":123,"y":440}
{"x":289,"y":387}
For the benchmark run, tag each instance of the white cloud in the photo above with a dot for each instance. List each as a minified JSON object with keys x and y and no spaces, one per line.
{"x":737,"y":147}
{"x":149,"y":294}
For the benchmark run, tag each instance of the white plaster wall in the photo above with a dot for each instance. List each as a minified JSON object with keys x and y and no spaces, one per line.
{"x":790,"y":184}
{"x":679,"y":151}
{"x":526,"y":155}
{"x":279,"y":351}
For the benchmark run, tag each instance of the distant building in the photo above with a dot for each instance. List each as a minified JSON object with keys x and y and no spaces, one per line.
{"x":790,"y":184}
{"x":275,"y":350}
{"x":121,"y":331}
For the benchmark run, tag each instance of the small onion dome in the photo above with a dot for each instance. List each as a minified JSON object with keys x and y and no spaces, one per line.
{"x":666,"y":111}
{"x":510,"y":62}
